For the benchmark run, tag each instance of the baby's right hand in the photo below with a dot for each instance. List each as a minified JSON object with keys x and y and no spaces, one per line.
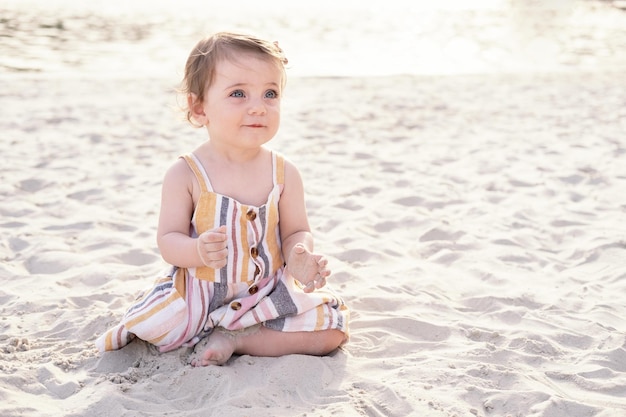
{"x":212,"y":247}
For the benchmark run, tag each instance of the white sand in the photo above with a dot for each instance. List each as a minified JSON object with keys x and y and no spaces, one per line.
{"x":476,"y":226}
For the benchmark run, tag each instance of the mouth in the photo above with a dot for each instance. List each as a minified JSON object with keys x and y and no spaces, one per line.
{"x":255,"y":126}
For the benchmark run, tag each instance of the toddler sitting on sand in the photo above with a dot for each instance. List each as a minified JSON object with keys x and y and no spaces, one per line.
{"x":234,"y":226}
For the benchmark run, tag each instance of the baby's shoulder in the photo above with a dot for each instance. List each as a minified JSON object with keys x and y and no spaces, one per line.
{"x":179,"y":172}
{"x":180,"y":166}
{"x":291,"y":178}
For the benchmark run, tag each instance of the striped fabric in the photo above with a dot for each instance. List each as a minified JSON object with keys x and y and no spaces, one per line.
{"x":185,"y":305}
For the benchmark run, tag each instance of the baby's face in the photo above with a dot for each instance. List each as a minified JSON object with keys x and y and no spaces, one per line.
{"x":242,"y":104}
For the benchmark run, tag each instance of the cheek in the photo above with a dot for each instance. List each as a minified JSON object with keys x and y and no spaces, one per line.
{"x":275,"y":109}
{"x":276,"y":116}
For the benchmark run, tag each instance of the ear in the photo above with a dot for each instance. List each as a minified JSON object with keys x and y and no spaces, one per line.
{"x":196,"y":109}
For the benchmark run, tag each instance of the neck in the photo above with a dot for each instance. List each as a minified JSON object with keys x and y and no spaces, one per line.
{"x":230,"y":155}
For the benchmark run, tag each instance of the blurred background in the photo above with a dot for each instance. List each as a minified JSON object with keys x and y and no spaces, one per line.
{"x":145,"y":38}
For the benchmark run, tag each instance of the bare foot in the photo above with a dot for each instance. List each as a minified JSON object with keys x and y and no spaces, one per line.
{"x":214,"y":350}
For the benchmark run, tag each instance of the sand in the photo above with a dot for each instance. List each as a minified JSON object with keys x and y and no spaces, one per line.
{"x":475,"y":225}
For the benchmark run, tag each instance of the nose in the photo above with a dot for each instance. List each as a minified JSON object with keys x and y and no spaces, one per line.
{"x":257,"y":107}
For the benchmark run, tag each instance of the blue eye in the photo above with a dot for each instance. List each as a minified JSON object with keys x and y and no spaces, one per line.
{"x":237,"y":93}
{"x":271,"y":94}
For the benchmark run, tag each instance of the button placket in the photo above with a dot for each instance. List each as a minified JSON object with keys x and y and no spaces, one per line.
{"x":251,"y":216}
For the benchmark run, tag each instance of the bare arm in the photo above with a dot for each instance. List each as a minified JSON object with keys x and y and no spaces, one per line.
{"x":294,"y":223}
{"x":297,"y":240}
{"x":177,"y":203}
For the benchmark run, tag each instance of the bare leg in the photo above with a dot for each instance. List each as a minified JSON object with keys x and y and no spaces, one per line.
{"x":266,"y":342}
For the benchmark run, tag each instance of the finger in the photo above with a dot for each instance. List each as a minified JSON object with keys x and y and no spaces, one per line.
{"x":322,"y":268}
{"x":220,"y":264}
{"x":325,"y":273}
{"x":221,"y":232}
{"x":216,"y":264}
{"x":215,"y":247}
{"x":211,"y":237}
{"x":320,"y":282}
{"x":215,"y":255}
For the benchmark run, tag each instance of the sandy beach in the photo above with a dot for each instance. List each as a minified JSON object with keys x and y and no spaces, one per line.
{"x":475,"y":226}
{"x":473,"y":210}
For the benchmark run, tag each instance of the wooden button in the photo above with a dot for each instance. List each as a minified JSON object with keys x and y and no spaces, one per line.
{"x":251,"y":215}
{"x":253,"y":290}
{"x":254,"y":252}
{"x":236,"y":305}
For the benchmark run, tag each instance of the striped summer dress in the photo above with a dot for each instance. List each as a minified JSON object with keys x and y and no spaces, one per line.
{"x":186,"y":304}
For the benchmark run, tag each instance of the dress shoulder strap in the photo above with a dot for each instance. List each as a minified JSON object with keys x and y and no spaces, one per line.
{"x":199,"y":172}
{"x":278,"y":162}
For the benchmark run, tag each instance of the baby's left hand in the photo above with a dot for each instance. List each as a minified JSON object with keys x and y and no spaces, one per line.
{"x":308,"y":268}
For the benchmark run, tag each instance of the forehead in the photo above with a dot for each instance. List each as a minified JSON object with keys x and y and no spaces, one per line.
{"x":248,"y":67}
